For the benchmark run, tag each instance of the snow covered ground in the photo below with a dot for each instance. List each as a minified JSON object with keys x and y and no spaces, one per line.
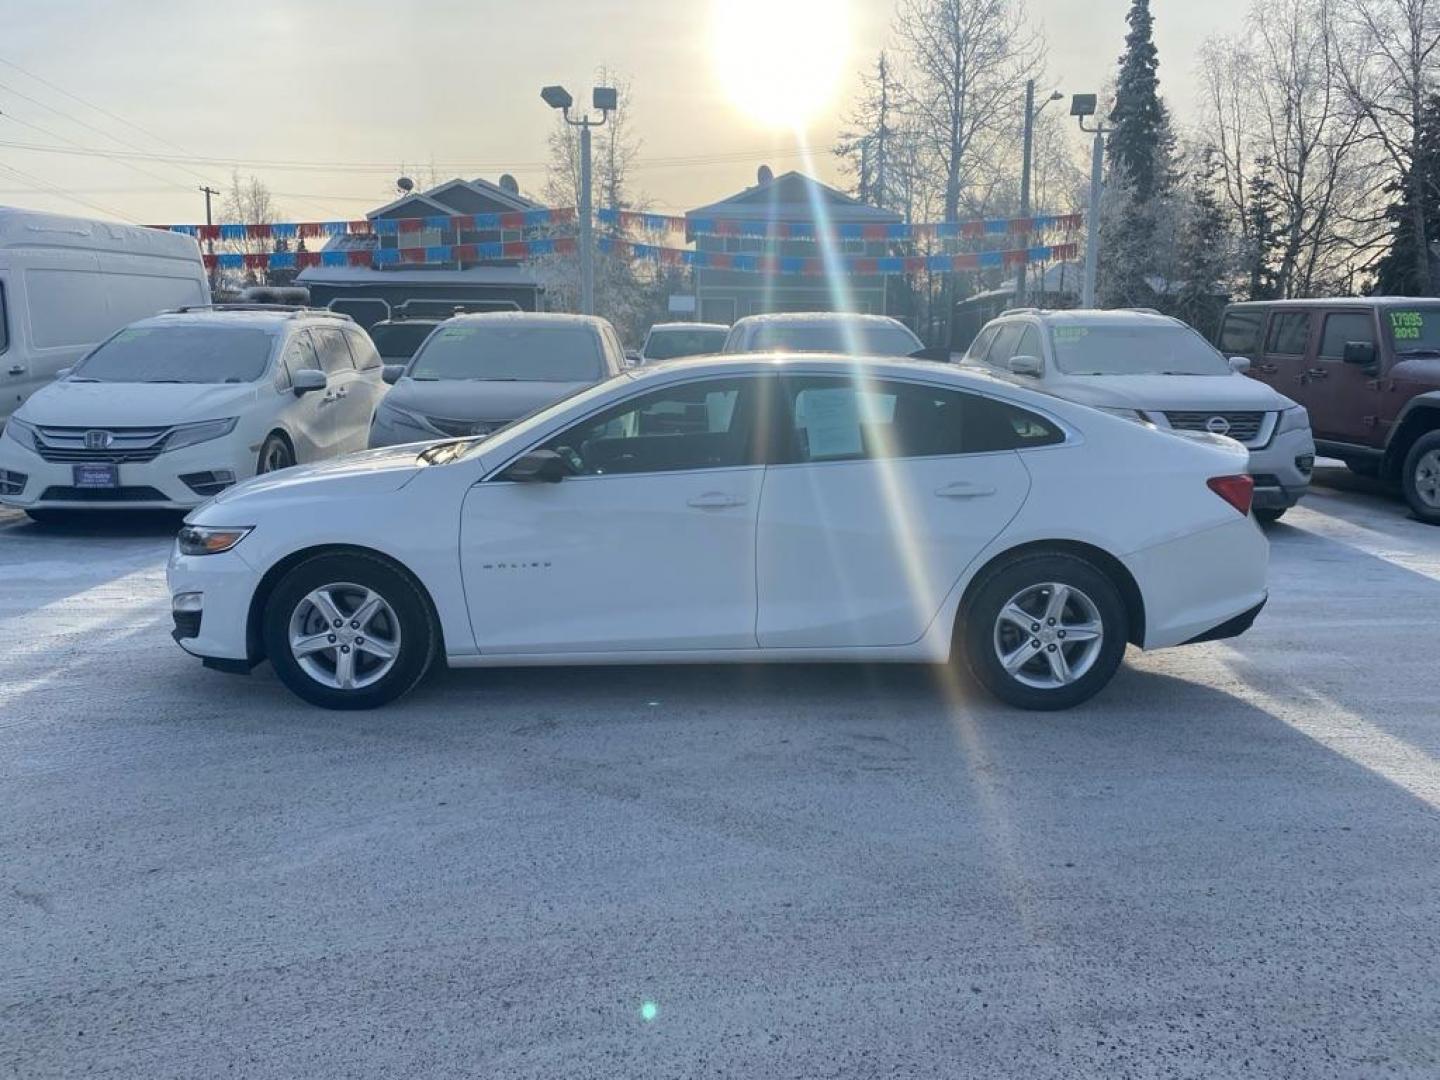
{"x":1226,"y":865}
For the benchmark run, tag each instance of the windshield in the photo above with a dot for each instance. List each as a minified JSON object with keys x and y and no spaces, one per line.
{"x":841,"y":337}
{"x":505,"y":353}
{"x":1413,"y":329}
{"x":1134,"y":350}
{"x":179,"y":354}
{"x":518,"y":429}
{"x":398,"y":341}
{"x":668,"y":344}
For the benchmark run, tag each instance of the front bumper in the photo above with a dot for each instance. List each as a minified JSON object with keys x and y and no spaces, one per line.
{"x":220,"y":628}
{"x":143,"y":485}
{"x":1282,"y":470}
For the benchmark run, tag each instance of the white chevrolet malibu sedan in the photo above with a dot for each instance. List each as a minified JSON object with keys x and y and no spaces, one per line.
{"x":737,"y":509}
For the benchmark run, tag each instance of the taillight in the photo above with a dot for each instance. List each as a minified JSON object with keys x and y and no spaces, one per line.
{"x":1235,"y":490}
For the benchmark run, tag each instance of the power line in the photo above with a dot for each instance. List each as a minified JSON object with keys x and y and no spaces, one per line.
{"x":64,"y":138}
{"x":56,"y":190}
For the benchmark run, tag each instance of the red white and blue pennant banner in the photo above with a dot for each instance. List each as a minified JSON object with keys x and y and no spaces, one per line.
{"x":664,"y":256}
{"x":628,"y":219}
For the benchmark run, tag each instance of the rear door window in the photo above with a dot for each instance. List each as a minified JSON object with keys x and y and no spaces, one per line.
{"x":362,"y":350}
{"x":1289,"y":333}
{"x":4,"y":334}
{"x":1240,"y":333}
{"x":1343,"y":327}
{"x":333,"y":352}
{"x":981,"y":344}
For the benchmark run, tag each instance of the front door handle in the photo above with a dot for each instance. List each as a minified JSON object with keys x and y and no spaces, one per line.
{"x":1267,"y":369}
{"x":963,"y":489}
{"x":17,"y":369}
{"x":715,"y":500}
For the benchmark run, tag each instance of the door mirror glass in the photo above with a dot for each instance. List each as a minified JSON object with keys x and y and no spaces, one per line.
{"x":1239,"y":364}
{"x":1027,"y":365}
{"x":1361,"y":353}
{"x":391,"y":373}
{"x":538,"y":467}
{"x":308,"y":380}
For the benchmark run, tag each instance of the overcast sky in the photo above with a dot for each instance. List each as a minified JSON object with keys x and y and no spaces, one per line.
{"x":392,"y":82}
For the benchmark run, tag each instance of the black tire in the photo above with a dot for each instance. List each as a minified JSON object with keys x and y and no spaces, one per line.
{"x":981,"y":632}
{"x":276,"y":453}
{"x":418,"y":633}
{"x":55,"y":517}
{"x":1269,"y":515}
{"x":1420,"y":478}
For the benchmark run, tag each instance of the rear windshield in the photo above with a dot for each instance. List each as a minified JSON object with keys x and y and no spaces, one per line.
{"x":1134,"y":350}
{"x":837,"y":337}
{"x":397,"y":342}
{"x":510,"y":354}
{"x":668,"y":344}
{"x":1414,"y":329}
{"x":179,"y":354}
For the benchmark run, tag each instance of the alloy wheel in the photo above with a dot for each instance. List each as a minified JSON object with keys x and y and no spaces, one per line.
{"x":1048,"y":635}
{"x":344,"y":636}
{"x":1427,"y":478}
{"x":275,"y":456}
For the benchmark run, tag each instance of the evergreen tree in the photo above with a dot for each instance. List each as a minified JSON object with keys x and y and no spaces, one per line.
{"x":1203,"y":257}
{"x":1396,"y":273}
{"x":1140,"y":142}
{"x":1264,"y":232}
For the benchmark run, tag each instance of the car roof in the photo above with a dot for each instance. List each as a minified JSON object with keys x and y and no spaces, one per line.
{"x":1091,"y":317}
{"x":689,"y":326}
{"x":817,"y":318}
{"x":526,"y":318}
{"x":1336,"y":301}
{"x":823,"y":363}
{"x":246,"y":318}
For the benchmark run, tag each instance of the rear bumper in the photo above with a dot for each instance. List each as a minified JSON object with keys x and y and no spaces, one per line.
{"x":1230,"y":628}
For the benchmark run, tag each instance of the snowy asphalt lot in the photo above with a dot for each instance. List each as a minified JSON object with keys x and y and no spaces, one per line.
{"x":1228,"y":865}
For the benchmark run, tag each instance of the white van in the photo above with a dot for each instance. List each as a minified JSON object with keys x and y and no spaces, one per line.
{"x":67,"y":284}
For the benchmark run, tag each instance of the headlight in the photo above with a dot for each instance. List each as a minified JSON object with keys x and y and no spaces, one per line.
{"x":398,"y":417}
{"x":190,"y":434}
{"x":1296,"y":419}
{"x":21,"y":432}
{"x":201,"y":540}
{"x":1128,"y":414}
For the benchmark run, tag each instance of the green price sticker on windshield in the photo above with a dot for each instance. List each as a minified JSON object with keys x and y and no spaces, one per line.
{"x":1406,"y":325}
{"x":1068,"y":335}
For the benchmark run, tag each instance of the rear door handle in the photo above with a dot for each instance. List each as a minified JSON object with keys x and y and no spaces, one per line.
{"x":715,"y":500}
{"x":17,"y":369}
{"x":963,"y":489}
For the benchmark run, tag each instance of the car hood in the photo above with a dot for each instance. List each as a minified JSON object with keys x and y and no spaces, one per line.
{"x":1222,"y":393}
{"x":81,"y":404}
{"x":463,"y":399}
{"x":368,"y":472}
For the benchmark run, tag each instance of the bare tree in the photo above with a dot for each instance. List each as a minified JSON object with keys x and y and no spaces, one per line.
{"x":1388,"y":66}
{"x":248,"y":202}
{"x":966,"y":59}
{"x":614,"y":150}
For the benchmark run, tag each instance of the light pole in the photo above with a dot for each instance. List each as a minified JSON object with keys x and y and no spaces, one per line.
{"x":1081,"y":106}
{"x":604,"y":99}
{"x":1031,"y":113}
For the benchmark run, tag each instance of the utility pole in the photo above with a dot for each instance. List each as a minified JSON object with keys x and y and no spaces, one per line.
{"x":1081,"y":106}
{"x":208,"y":191}
{"x":603,"y":98}
{"x":1031,"y":115}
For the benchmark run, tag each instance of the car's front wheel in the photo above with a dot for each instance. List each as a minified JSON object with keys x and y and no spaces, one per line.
{"x":1046,"y":631}
{"x":349,"y":631}
{"x":275,"y":454}
{"x":1420,"y":478}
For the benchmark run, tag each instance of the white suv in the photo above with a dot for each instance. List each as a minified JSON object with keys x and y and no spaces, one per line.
{"x":175,"y":408}
{"x":1152,"y":368}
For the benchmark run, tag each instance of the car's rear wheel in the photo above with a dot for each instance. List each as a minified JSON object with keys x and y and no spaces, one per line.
{"x":349,"y":631}
{"x":1420,"y":478}
{"x":1046,"y":631}
{"x":275,"y":454}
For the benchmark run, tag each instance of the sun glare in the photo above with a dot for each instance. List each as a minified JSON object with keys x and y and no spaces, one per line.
{"x":780,"y":61}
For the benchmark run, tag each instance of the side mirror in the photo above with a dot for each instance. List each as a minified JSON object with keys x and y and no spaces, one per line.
{"x":391,"y":373}
{"x":1239,"y":364}
{"x":938,"y":353}
{"x":64,"y":372}
{"x":538,"y":467}
{"x":1360,"y":353}
{"x":1027,"y":365}
{"x":632,"y":357}
{"x":308,"y":380}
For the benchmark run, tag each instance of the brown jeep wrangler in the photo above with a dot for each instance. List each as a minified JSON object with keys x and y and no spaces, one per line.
{"x":1368,"y":371}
